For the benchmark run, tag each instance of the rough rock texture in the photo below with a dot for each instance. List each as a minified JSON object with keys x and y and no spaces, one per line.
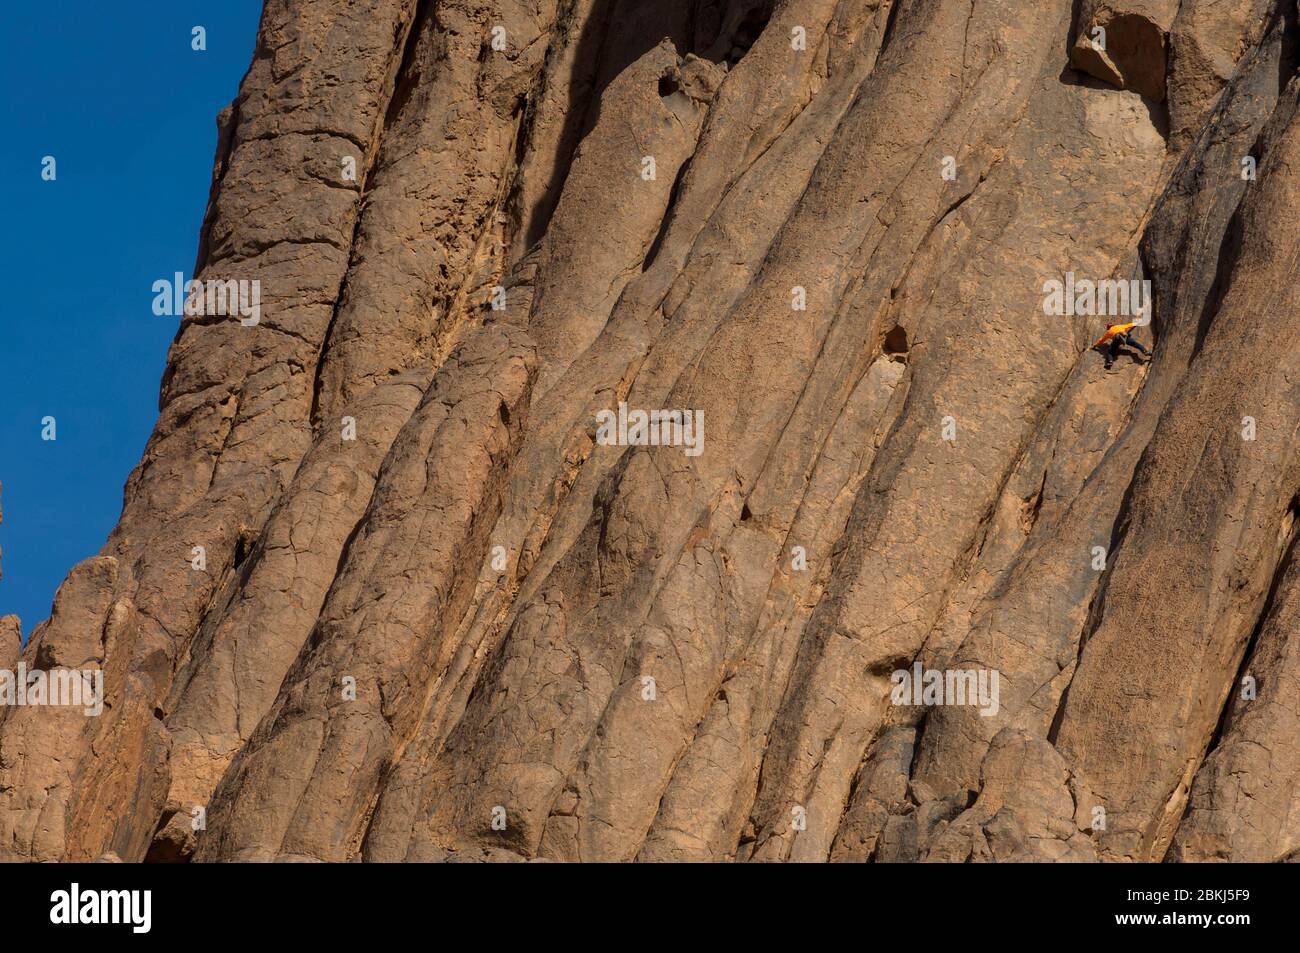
{"x":1125,"y":42}
{"x":440,"y":617}
{"x":10,"y":641}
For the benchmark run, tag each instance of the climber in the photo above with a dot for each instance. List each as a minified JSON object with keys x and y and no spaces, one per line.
{"x":1116,"y":336}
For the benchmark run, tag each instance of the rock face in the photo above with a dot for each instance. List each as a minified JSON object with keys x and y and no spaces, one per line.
{"x":894,"y":569}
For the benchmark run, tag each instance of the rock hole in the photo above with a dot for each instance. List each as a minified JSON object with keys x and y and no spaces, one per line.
{"x":896,"y":345}
{"x":885,"y":667}
{"x":1134,"y":56}
{"x":244,"y":546}
{"x":1289,"y":521}
{"x":745,"y":514}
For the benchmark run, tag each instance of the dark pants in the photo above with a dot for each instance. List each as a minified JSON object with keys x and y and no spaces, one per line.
{"x":1119,"y":341}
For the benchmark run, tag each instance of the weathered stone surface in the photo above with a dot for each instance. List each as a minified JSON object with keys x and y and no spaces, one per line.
{"x":11,"y":641}
{"x":1206,"y":42}
{"x":428,"y":221}
{"x":235,"y":403}
{"x":1125,"y":43}
{"x":482,"y":632}
{"x":1207,"y":533}
{"x":320,"y":752}
{"x":1245,"y":801}
{"x":244,"y":648}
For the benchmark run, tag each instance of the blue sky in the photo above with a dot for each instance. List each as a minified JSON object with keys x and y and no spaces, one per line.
{"x":127,"y":109}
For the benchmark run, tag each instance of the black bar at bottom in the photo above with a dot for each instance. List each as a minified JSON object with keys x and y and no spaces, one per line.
{"x":540,"y":903}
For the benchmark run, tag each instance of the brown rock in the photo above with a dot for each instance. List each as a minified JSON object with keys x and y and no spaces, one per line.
{"x":11,"y":641}
{"x":483,"y":632}
{"x":1125,"y":43}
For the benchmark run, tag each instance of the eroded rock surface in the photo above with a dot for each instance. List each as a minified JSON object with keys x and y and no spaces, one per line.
{"x":445,"y":610}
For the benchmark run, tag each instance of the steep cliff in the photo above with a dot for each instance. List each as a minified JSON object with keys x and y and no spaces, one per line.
{"x":454,"y":603}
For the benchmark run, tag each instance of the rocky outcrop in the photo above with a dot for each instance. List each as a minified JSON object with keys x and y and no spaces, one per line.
{"x":10,"y":641}
{"x":1125,"y":43}
{"x":906,"y":573}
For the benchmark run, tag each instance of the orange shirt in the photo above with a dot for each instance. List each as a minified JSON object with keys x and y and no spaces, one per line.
{"x":1113,"y":330}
